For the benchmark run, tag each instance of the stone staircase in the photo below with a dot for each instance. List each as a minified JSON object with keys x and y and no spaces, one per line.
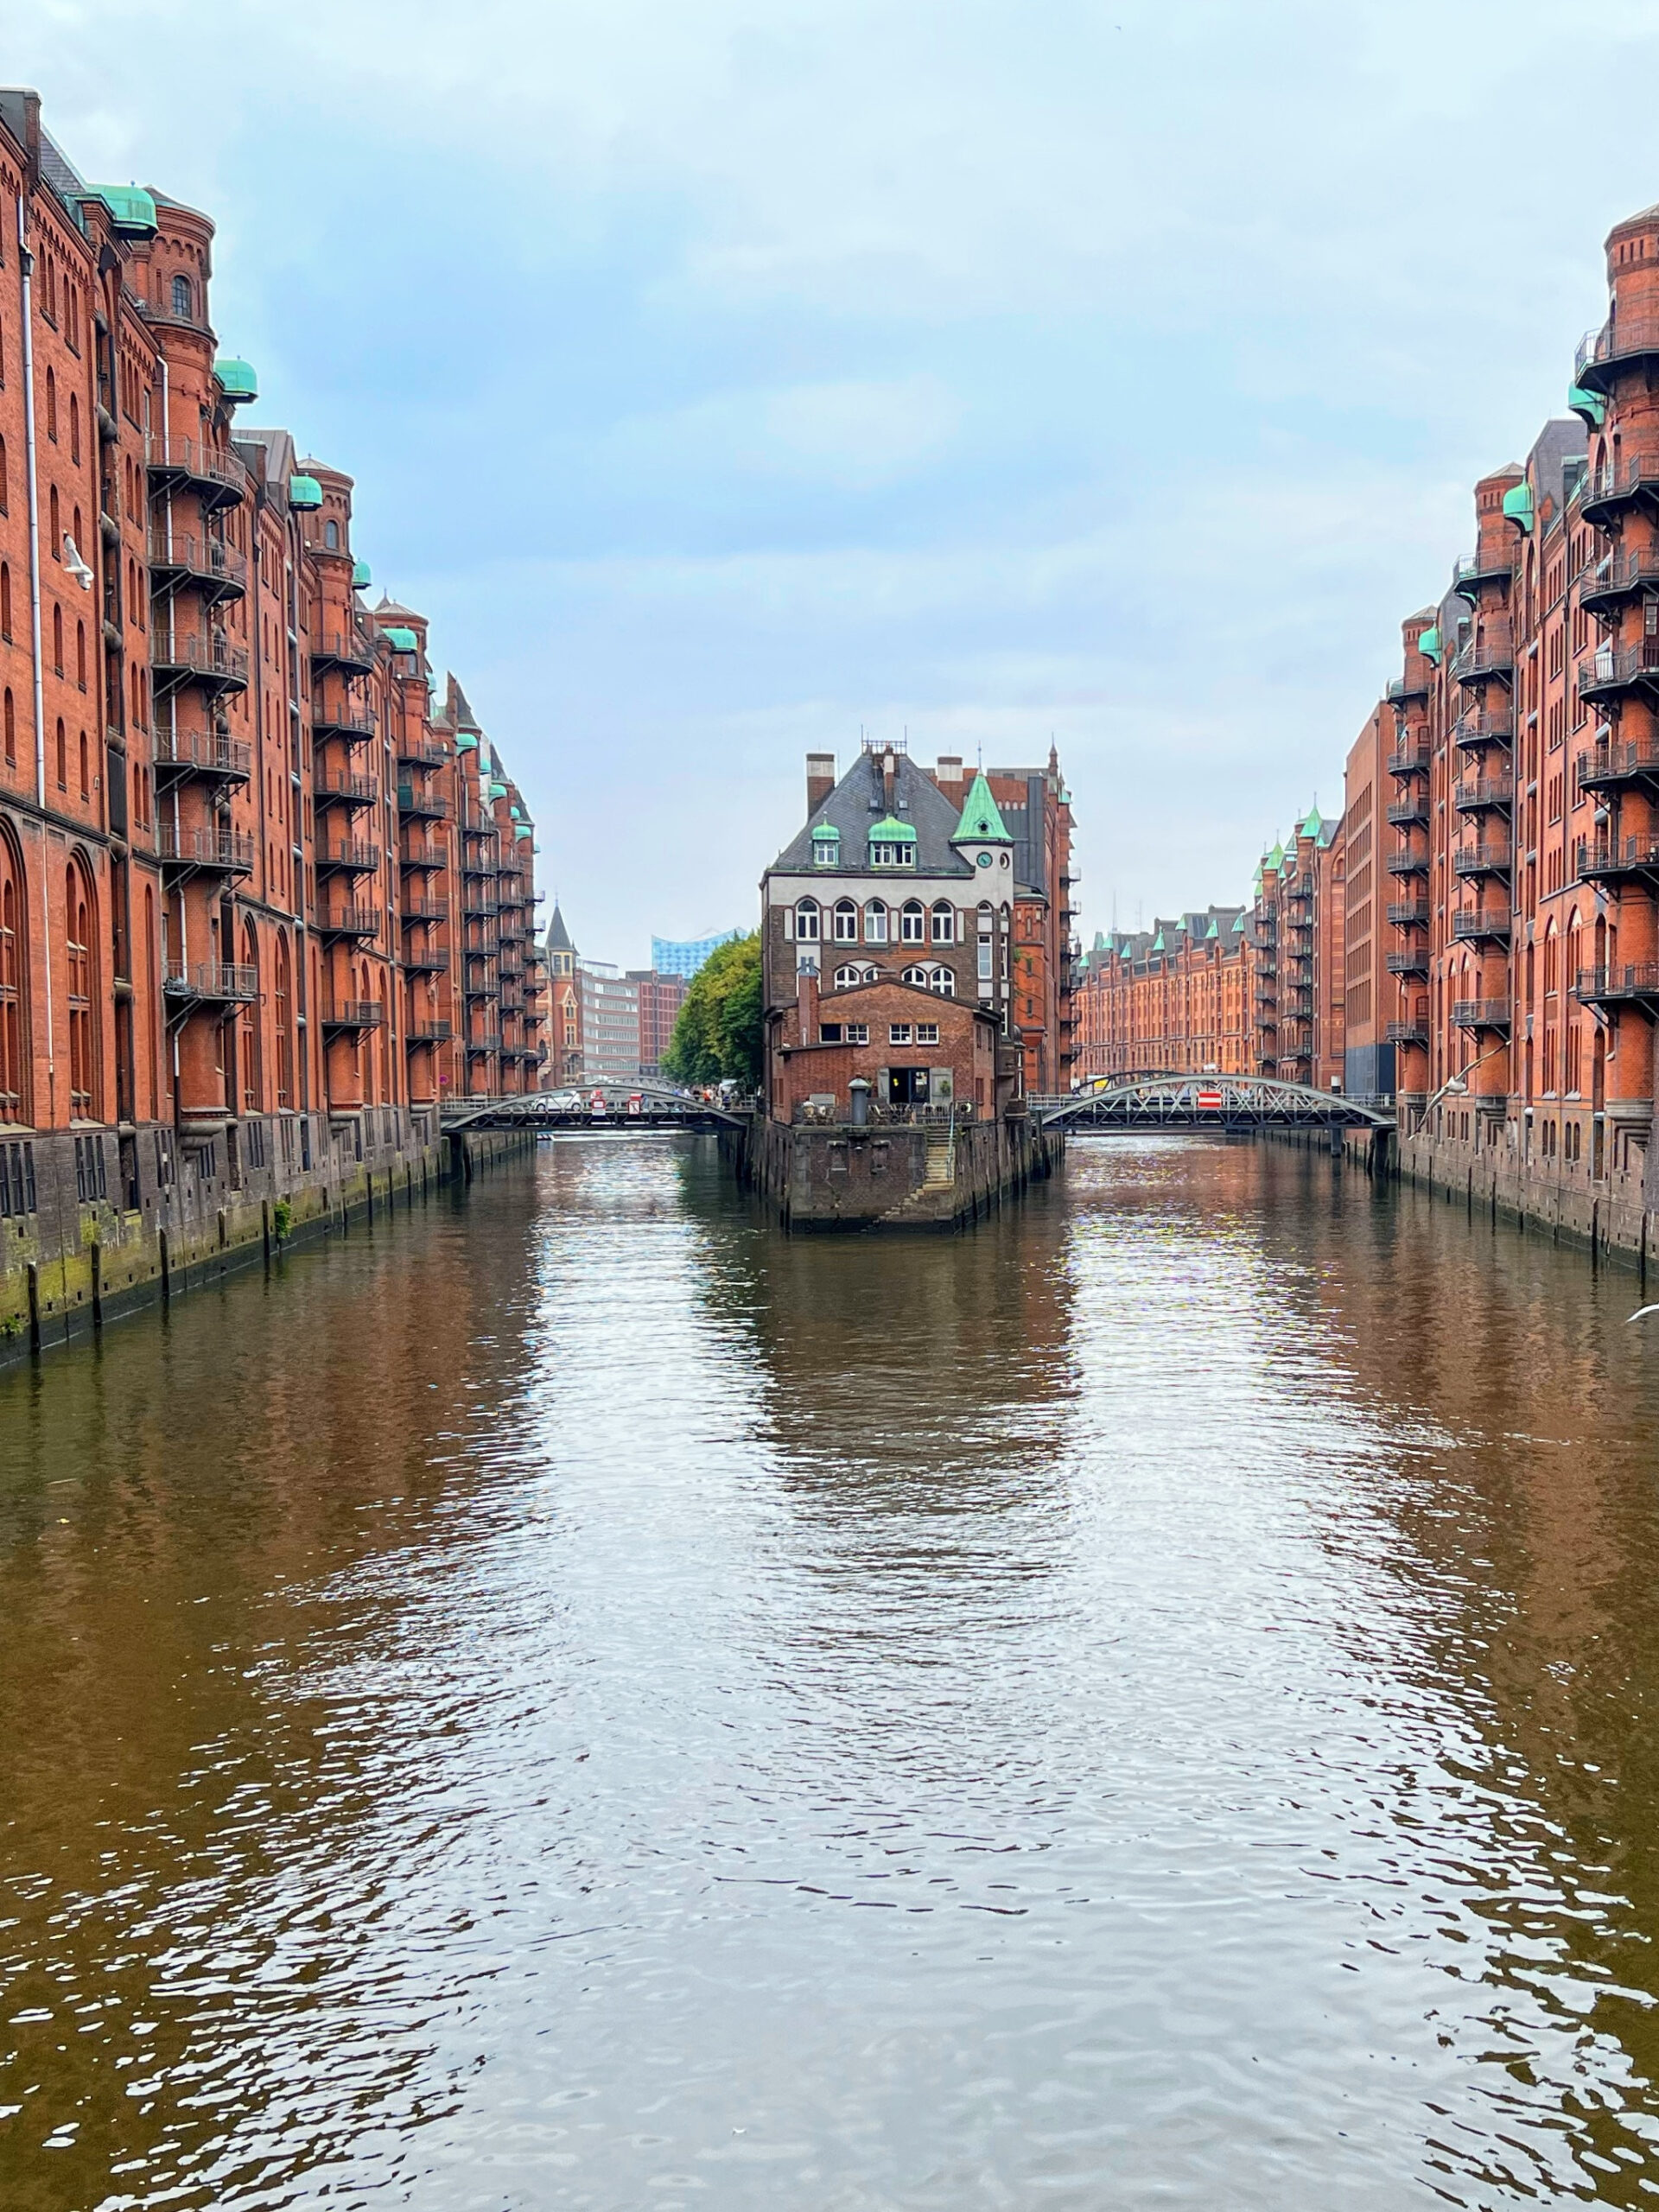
{"x":938,"y":1178}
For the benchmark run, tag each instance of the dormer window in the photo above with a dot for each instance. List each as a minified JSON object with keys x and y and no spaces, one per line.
{"x":892,"y":844}
{"x":826,"y":846}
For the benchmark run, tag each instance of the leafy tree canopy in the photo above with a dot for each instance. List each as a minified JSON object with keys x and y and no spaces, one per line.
{"x":717,"y":1034}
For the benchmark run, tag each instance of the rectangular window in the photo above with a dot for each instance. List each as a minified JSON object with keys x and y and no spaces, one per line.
{"x":829,"y":1032}
{"x":897,"y":1032}
{"x":858,"y":1033}
{"x":927,"y":1032}
{"x":984,"y":960}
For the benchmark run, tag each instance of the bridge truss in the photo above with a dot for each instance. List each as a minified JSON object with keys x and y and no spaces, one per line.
{"x":1225,"y":1102}
{"x":636,"y":1107}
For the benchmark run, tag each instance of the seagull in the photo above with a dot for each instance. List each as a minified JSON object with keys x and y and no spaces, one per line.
{"x":78,"y":568}
{"x":1642,"y":1312}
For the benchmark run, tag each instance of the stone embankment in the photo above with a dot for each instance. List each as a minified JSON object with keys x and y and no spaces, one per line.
{"x":889,"y":1175}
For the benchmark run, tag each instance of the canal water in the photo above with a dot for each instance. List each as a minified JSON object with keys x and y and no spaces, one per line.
{"x":569,"y":1699}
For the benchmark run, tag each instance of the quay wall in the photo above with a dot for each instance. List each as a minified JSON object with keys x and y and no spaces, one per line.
{"x":1611,"y":1217}
{"x":889,"y":1175}
{"x":114,"y":1229}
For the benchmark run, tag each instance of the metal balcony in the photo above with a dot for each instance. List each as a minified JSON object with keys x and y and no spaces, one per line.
{"x":428,"y":960}
{"x":1469,"y":574}
{"x":425,"y":910}
{"x":1406,"y":914}
{"x":207,"y":564}
{"x":421,"y":805}
{"x":1483,"y":859}
{"x":346,"y":791}
{"x":203,"y":656}
{"x":352,"y":723}
{"x":1634,"y":983}
{"x":1483,"y":794}
{"x":418,"y":752}
{"x":219,"y":852}
{"x":417,"y":855}
{"x":1482,"y":926}
{"x":1619,"y":673}
{"x":353,"y":1014}
{"x":349,"y":922}
{"x":428,"y":1032}
{"x":1618,"y":761}
{"x":1481,"y":1014}
{"x":218,"y":478}
{"x":184,"y":752}
{"x":1608,"y":859}
{"x":1617,"y":579}
{"x":347,"y":650}
{"x":1485,"y":660}
{"x":211,"y":982}
{"x":1406,"y":863}
{"x":485,"y":1041}
{"x":1414,"y":963}
{"x":1406,"y":813}
{"x":1413,"y":1031}
{"x":1409,"y":761}
{"x":348,"y":858}
{"x":1402,"y":690}
{"x":1602,"y":353}
{"x":1481,"y":729}
{"x":1606,"y":495}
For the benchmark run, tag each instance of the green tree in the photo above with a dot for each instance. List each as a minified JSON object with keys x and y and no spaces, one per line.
{"x":717,"y":1034}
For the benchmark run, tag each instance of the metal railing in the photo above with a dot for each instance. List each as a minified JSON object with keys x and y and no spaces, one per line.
{"x":428,"y":1032}
{"x":352,"y":723}
{"x":215,"y":848}
{"x":350,"y":648}
{"x":353,"y":1014}
{"x":1402,"y":812}
{"x":203,"y":652}
{"x":1614,"y":856}
{"x":350,"y":921}
{"x":203,"y":751}
{"x":1612,"y":762}
{"x":1483,"y":859}
{"x":1405,"y":914}
{"x":351,"y":790}
{"x":417,"y":854}
{"x":211,"y":979}
{"x":1618,"y":574}
{"x":355,"y":858}
{"x":423,"y":805}
{"x":431,"y":960}
{"x":201,"y":464}
{"x":426,"y":910}
{"x":1406,"y":863}
{"x":1410,"y":760}
{"x":1474,"y":792}
{"x":1636,"y":980}
{"x":414,"y":753}
{"x":1490,"y":655}
{"x":1484,"y":729}
{"x":1472,"y":924}
{"x":1615,"y":669}
{"x":1408,"y":964}
{"x":197,"y":556}
{"x":1480,"y":1013}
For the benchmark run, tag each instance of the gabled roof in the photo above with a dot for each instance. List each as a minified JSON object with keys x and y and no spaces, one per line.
{"x":558,"y":938}
{"x":981,"y":822}
{"x":859,"y":808}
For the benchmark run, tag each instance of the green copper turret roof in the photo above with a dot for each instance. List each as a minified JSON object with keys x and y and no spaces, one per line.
{"x":1238,"y":926}
{"x":1276,"y":857}
{"x":890,"y":831}
{"x":1313,"y":825}
{"x":1212,"y":931}
{"x":981,"y":823}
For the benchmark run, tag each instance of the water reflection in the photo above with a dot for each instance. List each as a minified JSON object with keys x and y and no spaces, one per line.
{"x":576,"y":1699}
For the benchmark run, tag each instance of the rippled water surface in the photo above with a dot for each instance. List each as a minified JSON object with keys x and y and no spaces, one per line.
{"x":571,"y":1700}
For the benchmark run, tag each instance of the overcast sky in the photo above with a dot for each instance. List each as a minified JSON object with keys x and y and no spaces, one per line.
{"x":723,"y":378}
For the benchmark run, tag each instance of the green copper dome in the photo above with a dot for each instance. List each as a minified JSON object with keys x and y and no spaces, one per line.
{"x":237,"y":380}
{"x":401,"y":640}
{"x":361,"y":579}
{"x":304,"y":491}
{"x":131,"y":208}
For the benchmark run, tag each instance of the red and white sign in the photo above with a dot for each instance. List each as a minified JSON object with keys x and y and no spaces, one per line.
{"x":1210,"y":1101}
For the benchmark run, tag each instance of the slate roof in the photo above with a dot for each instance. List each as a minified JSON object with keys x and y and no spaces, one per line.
{"x":558,"y":938}
{"x":857,"y":806}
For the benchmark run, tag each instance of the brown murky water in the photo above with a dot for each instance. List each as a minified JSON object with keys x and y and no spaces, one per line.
{"x":573,"y":1700}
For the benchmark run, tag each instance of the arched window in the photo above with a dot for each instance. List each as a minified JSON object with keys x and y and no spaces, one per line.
{"x":853,"y":972}
{"x":284,"y":1006}
{"x":913,"y":923}
{"x":944,"y":982}
{"x":80,"y":654}
{"x":52,"y":405}
{"x":5,"y":601}
{"x":75,"y":529}
{"x":57,"y":640}
{"x":74,"y":432}
{"x":917,"y":976}
{"x":56,"y":515}
{"x":5,"y":507}
{"x":181,"y":296}
{"x":14,"y":983}
{"x":252,"y":1074}
{"x":63,"y":756}
{"x":330,"y":535}
{"x":86,"y":768}
{"x":10,"y":731}
{"x":806,"y":921}
{"x":80,"y":922}
{"x":875,"y":922}
{"x":945,"y":922}
{"x":846,"y":921}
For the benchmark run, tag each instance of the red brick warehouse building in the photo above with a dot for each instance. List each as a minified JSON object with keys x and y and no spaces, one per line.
{"x":262,"y":906}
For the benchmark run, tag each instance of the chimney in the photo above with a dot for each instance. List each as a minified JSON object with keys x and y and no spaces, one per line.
{"x":948,"y":770}
{"x":889,"y":765}
{"x":806,"y":1003}
{"x":820,"y":779}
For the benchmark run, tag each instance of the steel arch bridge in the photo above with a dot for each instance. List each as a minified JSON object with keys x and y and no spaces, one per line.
{"x":1225,"y":1102}
{"x":628,"y":1107}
